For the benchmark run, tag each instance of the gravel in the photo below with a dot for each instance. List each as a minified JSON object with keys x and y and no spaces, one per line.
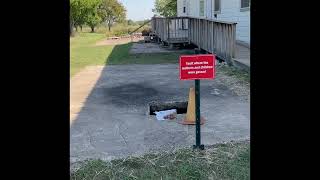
{"x":236,"y":80}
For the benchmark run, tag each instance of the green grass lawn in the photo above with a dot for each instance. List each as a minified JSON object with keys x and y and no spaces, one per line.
{"x":83,"y":53}
{"x":224,"y":161}
{"x":241,"y":75}
{"x":120,"y":55}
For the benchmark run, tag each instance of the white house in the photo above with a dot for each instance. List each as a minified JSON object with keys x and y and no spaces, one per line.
{"x":225,"y":10}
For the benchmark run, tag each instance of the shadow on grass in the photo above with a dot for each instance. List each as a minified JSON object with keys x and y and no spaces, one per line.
{"x":119,"y":54}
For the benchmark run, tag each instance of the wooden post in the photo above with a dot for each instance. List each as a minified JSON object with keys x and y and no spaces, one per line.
{"x":168,"y":30}
{"x":212,"y":37}
{"x":208,"y":36}
{"x":233,"y":40}
{"x":199,"y":41}
{"x":189,"y":30}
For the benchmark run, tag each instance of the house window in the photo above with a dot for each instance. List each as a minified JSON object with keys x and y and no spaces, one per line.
{"x":201,"y":7}
{"x":184,"y":6}
{"x":217,"y":6}
{"x":245,"y":5}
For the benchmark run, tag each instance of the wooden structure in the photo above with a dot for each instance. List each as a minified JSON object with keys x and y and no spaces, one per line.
{"x":218,"y":37}
{"x":171,"y":30}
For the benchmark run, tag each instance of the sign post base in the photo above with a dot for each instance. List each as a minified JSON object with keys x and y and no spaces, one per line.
{"x":201,"y":147}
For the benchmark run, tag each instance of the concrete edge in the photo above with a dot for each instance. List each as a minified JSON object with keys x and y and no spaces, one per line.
{"x":241,"y":65}
{"x":242,"y":43}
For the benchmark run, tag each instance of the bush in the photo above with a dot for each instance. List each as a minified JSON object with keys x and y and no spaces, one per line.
{"x":117,"y":29}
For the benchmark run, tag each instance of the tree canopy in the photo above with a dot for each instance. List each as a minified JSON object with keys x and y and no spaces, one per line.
{"x":94,"y":12}
{"x":166,"y":8}
{"x":112,"y":11}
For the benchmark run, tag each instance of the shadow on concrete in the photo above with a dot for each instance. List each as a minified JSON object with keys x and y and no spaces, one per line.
{"x":114,"y":121}
{"x":110,"y":108}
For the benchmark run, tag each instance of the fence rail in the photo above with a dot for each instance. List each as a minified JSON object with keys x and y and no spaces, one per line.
{"x":218,"y":37}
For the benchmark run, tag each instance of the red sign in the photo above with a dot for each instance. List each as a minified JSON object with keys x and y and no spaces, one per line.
{"x":197,"y":67}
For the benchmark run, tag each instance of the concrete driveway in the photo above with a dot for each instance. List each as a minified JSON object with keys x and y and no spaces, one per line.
{"x":109,"y":111}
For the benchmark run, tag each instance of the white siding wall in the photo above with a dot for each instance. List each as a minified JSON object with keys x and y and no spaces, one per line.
{"x":194,"y":8}
{"x":181,"y":4}
{"x":230,"y":11}
{"x":209,"y":10}
{"x":180,"y":8}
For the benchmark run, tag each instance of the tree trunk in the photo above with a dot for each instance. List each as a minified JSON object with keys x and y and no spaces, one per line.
{"x":81,"y":28}
{"x":109,"y":27}
{"x":77,"y":28}
{"x":92,"y":29}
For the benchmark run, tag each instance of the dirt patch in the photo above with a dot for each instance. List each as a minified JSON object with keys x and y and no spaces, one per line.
{"x":126,"y":40}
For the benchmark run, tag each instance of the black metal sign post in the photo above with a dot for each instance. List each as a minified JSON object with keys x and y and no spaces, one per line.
{"x":197,"y":104}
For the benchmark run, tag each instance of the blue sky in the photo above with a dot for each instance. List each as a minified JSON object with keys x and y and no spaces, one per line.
{"x":138,"y":9}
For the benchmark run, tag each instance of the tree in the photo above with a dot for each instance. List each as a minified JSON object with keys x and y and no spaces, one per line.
{"x":93,"y":12}
{"x":71,"y":24}
{"x":130,"y":22}
{"x":74,"y":12}
{"x":166,"y":8}
{"x":79,"y":10}
{"x":84,"y":12}
{"x":93,"y":18}
{"x":112,"y":11}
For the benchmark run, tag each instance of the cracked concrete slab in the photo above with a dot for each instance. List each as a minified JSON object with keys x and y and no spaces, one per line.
{"x":110,"y":111}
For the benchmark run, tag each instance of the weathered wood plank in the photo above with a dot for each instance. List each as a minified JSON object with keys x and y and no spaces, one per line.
{"x":199,"y":33}
{"x":228,"y":40}
{"x":217,"y":37}
{"x":209,"y":35}
{"x":234,"y":40}
{"x":223,"y":26}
